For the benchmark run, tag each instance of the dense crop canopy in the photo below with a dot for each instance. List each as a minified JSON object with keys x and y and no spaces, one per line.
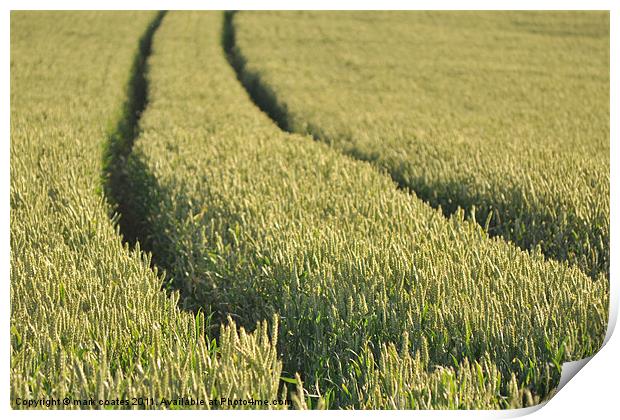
{"x":360,"y":289}
{"x":374,"y":288}
{"x":88,"y":318}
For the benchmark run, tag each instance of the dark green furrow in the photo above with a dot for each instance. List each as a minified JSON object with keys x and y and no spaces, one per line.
{"x":122,"y":138}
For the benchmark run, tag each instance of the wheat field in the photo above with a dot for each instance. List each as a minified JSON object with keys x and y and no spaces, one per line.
{"x":306,"y":210}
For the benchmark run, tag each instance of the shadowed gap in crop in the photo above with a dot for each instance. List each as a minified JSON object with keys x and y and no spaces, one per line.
{"x":123,"y":136}
{"x":130,"y":188}
{"x":508,"y":220}
{"x":138,"y":199}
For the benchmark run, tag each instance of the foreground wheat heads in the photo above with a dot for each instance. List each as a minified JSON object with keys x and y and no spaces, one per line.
{"x":88,"y":317}
{"x":383,"y":302}
{"x":504,"y":114}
